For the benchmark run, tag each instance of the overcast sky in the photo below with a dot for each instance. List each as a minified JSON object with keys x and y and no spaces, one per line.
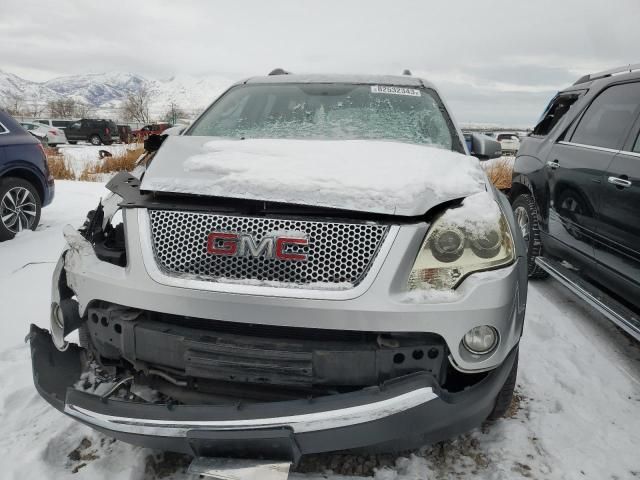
{"x":495,"y":60}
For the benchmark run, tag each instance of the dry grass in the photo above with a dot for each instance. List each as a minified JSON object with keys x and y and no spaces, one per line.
{"x":117,"y":163}
{"x":58,"y":166}
{"x":500,"y":171}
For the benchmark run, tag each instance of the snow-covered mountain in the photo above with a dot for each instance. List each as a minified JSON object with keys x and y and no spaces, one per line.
{"x":97,"y":89}
{"x":13,"y":87}
{"x":105,"y":92}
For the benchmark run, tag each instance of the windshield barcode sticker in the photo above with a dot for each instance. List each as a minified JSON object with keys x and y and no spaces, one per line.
{"x":412,"y":92}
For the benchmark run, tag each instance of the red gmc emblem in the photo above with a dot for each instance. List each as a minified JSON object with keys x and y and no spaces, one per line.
{"x":244,"y":245}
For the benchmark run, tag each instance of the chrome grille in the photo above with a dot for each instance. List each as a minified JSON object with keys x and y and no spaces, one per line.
{"x":339,"y":255}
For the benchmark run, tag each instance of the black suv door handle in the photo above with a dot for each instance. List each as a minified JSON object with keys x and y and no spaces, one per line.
{"x":619,"y":182}
{"x":553,"y":165}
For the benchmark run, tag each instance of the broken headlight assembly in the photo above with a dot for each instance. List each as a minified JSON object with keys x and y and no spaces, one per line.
{"x":106,"y":234}
{"x":457,"y":245}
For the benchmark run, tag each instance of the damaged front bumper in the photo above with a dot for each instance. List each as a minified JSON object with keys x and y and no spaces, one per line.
{"x":402,"y":413}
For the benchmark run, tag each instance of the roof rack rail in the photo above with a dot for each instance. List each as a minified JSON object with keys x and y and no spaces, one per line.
{"x":279,"y":71}
{"x":406,"y":71}
{"x":607,"y":73}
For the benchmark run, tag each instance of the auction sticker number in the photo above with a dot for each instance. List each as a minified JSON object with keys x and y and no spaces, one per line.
{"x":412,"y":92}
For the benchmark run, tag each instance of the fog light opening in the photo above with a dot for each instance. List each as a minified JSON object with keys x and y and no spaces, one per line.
{"x":480,"y":340}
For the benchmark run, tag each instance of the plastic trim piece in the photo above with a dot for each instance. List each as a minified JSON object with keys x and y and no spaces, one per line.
{"x":310,"y":422}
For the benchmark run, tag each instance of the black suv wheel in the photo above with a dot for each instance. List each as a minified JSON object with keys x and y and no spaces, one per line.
{"x":95,"y":140}
{"x":526,"y":213}
{"x":19,"y":207}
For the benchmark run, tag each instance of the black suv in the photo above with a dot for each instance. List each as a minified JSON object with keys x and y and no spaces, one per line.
{"x":96,"y":132}
{"x":26,"y":184}
{"x":576,"y":193}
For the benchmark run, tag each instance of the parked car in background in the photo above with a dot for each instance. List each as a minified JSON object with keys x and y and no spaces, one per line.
{"x":26,"y":185}
{"x":51,"y":136}
{"x":510,"y":142}
{"x":125,"y":133}
{"x":152,"y":129}
{"x":576,"y":193}
{"x":59,"y":123}
{"x":40,"y":137}
{"x":96,"y":132}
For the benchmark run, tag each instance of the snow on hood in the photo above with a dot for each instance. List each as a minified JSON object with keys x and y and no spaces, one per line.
{"x":477,"y":212}
{"x":361,"y":175}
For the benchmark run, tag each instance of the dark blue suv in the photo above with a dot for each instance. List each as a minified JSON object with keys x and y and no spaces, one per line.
{"x":26,"y":185}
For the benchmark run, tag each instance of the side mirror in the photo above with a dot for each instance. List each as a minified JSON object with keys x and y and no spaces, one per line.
{"x":485,"y":148}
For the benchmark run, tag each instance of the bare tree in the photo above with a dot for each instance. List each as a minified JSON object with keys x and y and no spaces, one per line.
{"x":14,"y":104}
{"x":174,"y":113}
{"x":83,"y":110}
{"x":36,"y":109}
{"x":63,"y":108}
{"x":136,"y":106}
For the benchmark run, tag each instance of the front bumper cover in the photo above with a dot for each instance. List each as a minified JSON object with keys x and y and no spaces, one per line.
{"x":403,"y":413}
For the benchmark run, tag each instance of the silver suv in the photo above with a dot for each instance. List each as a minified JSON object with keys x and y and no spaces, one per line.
{"x":316,"y":264}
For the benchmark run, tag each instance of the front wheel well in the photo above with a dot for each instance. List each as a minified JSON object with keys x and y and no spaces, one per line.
{"x":28,"y":176}
{"x":518,"y":189}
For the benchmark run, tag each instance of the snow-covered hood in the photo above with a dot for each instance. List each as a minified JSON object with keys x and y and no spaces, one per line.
{"x":361,"y":175}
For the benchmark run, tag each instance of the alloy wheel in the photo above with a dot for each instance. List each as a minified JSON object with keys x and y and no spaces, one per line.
{"x":18,"y":209}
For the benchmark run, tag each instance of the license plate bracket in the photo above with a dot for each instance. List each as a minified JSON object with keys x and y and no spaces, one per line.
{"x":277,"y":444}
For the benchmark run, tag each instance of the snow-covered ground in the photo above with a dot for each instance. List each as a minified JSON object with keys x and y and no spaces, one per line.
{"x":576,"y":414}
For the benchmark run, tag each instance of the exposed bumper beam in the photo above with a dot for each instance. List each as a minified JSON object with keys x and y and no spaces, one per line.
{"x":403,"y":413}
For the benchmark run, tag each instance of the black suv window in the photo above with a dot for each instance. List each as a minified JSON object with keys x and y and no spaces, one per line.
{"x":609,"y":117}
{"x":557,"y":109}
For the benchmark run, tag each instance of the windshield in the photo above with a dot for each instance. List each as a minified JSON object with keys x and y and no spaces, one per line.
{"x":329,"y":112}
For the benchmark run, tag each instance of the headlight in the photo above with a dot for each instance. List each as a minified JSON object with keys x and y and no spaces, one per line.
{"x":463,"y":240}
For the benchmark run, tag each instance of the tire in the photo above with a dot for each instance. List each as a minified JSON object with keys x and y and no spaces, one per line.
{"x":18,"y":192}
{"x":95,"y":140}
{"x":526,"y":214}
{"x":505,"y":396}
